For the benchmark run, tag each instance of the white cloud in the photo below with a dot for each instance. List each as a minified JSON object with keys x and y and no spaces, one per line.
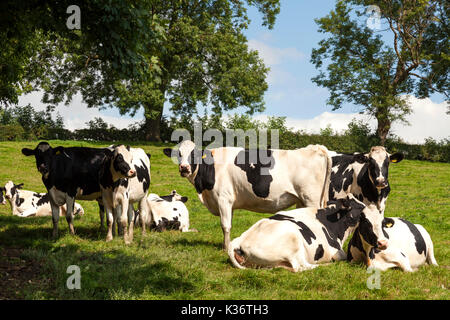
{"x":76,"y":114}
{"x":273,"y":55}
{"x":429,"y":119}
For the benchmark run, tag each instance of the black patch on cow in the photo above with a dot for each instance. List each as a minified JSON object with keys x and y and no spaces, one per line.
{"x":319,"y":252}
{"x":366,"y":231}
{"x":331,"y":239}
{"x":342,"y":178}
{"x":175,"y":209}
{"x":420,"y":242}
{"x":166,"y":224}
{"x":355,"y":241}
{"x":43,"y":199}
{"x":372,"y":253}
{"x":257,"y":172}
{"x":120,"y":165}
{"x":206,"y":173}
{"x":121,"y":182}
{"x":143,"y":175}
{"x":19,"y":200}
{"x":403,"y":254}
{"x":306,"y":232}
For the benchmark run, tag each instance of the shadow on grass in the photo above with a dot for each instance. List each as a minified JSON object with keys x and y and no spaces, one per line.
{"x":198,"y":242}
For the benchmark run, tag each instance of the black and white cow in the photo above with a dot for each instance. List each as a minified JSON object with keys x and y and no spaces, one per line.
{"x":25,"y":203}
{"x":365,"y":175}
{"x":302,"y":239}
{"x":232,"y":178}
{"x":167,"y":213}
{"x":2,"y":198}
{"x":410,"y":246}
{"x":119,"y":194}
{"x":72,"y":173}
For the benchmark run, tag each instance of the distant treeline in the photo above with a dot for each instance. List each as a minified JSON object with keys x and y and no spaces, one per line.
{"x":24,"y":123}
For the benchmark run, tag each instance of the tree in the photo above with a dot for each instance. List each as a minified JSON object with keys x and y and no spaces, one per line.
{"x":203,"y":59}
{"x":39,"y":50}
{"x":375,"y":73}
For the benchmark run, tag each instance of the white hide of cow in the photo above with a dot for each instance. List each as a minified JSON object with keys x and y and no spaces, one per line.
{"x":168,"y":213}
{"x":410,"y":247}
{"x":26,"y":203}
{"x":302,"y":239}
{"x":228,"y":178}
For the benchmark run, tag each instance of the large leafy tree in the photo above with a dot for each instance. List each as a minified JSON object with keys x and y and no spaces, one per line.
{"x":202,"y":58}
{"x":364,"y":66}
{"x":39,"y":50}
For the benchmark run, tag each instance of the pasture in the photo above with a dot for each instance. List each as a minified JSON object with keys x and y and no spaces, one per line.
{"x":174,"y":265}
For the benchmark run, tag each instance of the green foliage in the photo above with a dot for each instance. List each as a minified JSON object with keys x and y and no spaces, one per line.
{"x":373,"y":73}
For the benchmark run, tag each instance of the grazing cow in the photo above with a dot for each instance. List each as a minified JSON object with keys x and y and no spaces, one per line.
{"x":364,"y":175}
{"x":410,"y":246}
{"x":167,"y":213}
{"x":301,"y":239}
{"x":70,"y":173}
{"x":232,"y":178}
{"x":26,"y":203}
{"x":120,"y":193}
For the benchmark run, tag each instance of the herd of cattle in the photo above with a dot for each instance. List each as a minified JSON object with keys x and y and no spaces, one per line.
{"x":336,"y":195}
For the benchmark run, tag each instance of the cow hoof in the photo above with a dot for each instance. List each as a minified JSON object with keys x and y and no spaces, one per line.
{"x":109,"y":238}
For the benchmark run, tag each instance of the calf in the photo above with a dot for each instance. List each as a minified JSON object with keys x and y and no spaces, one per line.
{"x":301,"y":239}
{"x":410,"y":246}
{"x":364,"y":175}
{"x":71,"y":173}
{"x":231,"y":178}
{"x":120,"y":193}
{"x":168,"y":213}
{"x":26,"y":203}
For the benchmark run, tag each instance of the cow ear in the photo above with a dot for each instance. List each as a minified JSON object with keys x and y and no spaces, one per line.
{"x":168,"y":152}
{"x":360,"y":158}
{"x":27,"y":152}
{"x":388,"y":222}
{"x":19,"y":186}
{"x":184,"y":199}
{"x":58,"y":150}
{"x":128,"y":148}
{"x":149,"y":155}
{"x":396,"y":157}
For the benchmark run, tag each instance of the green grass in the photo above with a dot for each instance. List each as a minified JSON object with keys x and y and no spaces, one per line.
{"x":173,"y":265}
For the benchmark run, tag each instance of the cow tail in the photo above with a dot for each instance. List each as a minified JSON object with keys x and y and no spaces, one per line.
{"x":235,"y":244}
{"x":326,"y":184}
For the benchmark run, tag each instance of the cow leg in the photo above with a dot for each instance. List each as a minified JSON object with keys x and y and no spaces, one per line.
{"x":55,"y":218}
{"x":110,"y":222}
{"x":226,"y":216}
{"x":144,"y":211}
{"x":124,"y":221}
{"x":130,"y":221}
{"x":101,"y":211}
{"x":70,"y":203}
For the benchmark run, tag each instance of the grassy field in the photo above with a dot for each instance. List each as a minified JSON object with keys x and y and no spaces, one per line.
{"x":172,"y":265}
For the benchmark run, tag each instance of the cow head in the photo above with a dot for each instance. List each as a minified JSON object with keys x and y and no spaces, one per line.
{"x":44,"y":154}
{"x":378,"y":160}
{"x":11,"y":189}
{"x":370,"y":228}
{"x":188,"y":157}
{"x":121,"y":162}
{"x":178,"y":197}
{"x":2,"y":199}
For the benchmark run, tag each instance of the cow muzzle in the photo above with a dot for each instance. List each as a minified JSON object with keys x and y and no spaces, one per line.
{"x":185,"y":170}
{"x":382,"y":244}
{"x":131,"y":173}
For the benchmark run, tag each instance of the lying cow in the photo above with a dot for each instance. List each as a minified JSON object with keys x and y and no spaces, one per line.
{"x":232,"y":178}
{"x":301,"y":239}
{"x":71,"y":173}
{"x":410,"y":246}
{"x":167,"y":213}
{"x":26,"y":203}
{"x":120,"y":193}
{"x":363,"y":175}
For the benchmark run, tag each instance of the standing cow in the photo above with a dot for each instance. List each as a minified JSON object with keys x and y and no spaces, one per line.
{"x":232,"y":178}
{"x":120,"y":193}
{"x":73,"y":173}
{"x":301,"y":239}
{"x":25,"y":203}
{"x":363,"y":174}
{"x":2,"y":199}
{"x":410,"y":246}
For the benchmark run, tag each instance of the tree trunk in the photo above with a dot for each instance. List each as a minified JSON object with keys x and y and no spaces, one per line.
{"x":384,"y":125}
{"x":153,"y":127}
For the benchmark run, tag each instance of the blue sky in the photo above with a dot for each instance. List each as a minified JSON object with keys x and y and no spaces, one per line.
{"x":286,"y":49}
